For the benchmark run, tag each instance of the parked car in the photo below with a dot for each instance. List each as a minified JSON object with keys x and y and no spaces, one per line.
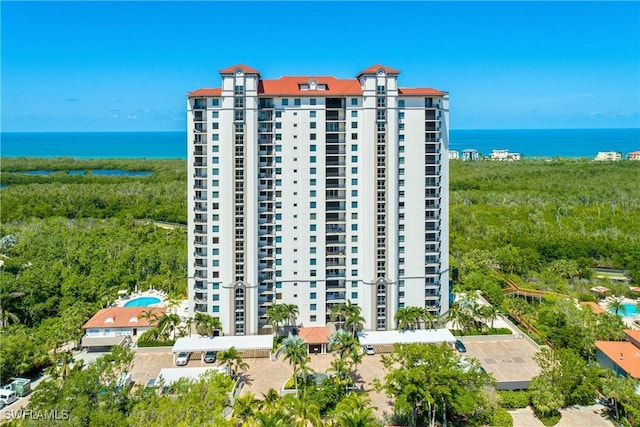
{"x":210,"y":357}
{"x":7,"y":397}
{"x":460,"y":346}
{"x":182,"y":359}
{"x":369,"y":349}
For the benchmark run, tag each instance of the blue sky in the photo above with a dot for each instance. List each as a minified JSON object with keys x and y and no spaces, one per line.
{"x":125,"y":66}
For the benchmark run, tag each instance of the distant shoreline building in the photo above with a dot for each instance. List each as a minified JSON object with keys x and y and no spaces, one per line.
{"x":611,"y":156}
{"x":454,"y":155}
{"x":634,"y":155}
{"x":470,"y":154}
{"x":315,"y":191}
{"x":504,"y":155}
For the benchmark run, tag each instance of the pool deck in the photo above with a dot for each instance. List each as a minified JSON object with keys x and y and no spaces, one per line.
{"x":121,"y":302}
{"x":632,"y":321}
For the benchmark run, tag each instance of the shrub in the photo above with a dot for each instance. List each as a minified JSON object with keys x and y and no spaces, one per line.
{"x":143,"y":343}
{"x":511,"y":399}
{"x":502,"y":418}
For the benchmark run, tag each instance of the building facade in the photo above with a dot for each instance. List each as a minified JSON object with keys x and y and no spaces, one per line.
{"x":315,"y":191}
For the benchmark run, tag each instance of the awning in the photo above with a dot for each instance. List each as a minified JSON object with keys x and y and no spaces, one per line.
{"x":600,"y":289}
{"x":424,"y":336}
{"x":241,"y":343}
{"x":634,"y":289}
{"x":88,"y":341}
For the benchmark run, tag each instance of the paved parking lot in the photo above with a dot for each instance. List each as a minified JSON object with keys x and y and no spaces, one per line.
{"x":263,"y":374}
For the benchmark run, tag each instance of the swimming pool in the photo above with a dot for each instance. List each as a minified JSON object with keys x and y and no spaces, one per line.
{"x":142,"y":302}
{"x":630,"y":310}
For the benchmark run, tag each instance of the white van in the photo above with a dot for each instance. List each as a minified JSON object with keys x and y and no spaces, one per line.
{"x":7,"y":397}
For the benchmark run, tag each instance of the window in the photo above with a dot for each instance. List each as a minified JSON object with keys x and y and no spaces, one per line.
{"x":354,"y":136}
{"x":312,"y":239}
{"x":354,"y":101}
{"x":354,"y":261}
{"x":354,"y":250}
{"x":214,"y":114}
{"x":312,"y":273}
{"x":312,"y":295}
{"x":296,"y":101}
{"x":312,"y":227}
{"x":278,"y":125}
{"x":215,"y":171}
{"x":354,"y":193}
{"x":401,"y":138}
{"x":312,"y":114}
{"x":215,"y":137}
{"x":313,"y":318}
{"x":401,"y":103}
{"x":354,"y":125}
{"x":312,"y":261}
{"x":312,"y":159}
{"x":354,"y":227}
{"x":278,"y":137}
{"x":285,"y":101}
{"x":215,"y":309}
{"x":354,"y":159}
{"x":312,"y":284}
{"x":354,"y":181}
{"x":312,"y":205}
{"x":312,"y":147}
{"x":214,"y":125}
{"x":354,"y":272}
{"x":312,"y":216}
{"x":354,"y":171}
{"x":312,"y":101}
{"x":312,"y":125}
{"x":354,"y":147}
{"x":278,"y":114}
{"x":312,"y":250}
{"x":312,"y":171}
{"x":238,"y":90}
{"x":278,"y":148}
{"x":312,"y":307}
{"x":354,"y":205}
{"x":380,"y":90}
{"x":312,"y":136}
{"x":354,"y":295}
{"x":312,"y":182}
{"x":354,"y":113}
{"x":312,"y":193}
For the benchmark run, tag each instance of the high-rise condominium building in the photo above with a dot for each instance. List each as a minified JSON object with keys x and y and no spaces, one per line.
{"x":315,"y":191}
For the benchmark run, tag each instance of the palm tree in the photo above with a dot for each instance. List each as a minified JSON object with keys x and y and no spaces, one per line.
{"x":189,"y":324}
{"x":172,"y":302}
{"x":291,"y":313}
{"x":337,"y":315}
{"x":150,"y":316}
{"x":616,"y":306}
{"x":207,"y":325}
{"x":490,"y":313}
{"x":295,"y":351}
{"x":244,"y":409}
{"x":356,"y":355}
{"x":277,"y":418}
{"x":303,"y":411}
{"x":353,"y":318}
{"x":342,"y":342}
{"x":232,"y":358}
{"x":403,"y":319}
{"x":355,"y":410}
{"x":169,"y":321}
{"x":275,"y":315}
{"x":456,"y":316}
{"x":431,"y":321}
{"x":339,"y":366}
{"x":271,"y":400}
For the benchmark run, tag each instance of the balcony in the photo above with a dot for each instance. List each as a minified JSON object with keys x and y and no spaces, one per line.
{"x":200,"y":298}
{"x":336,"y":284}
{"x":335,"y":183}
{"x":200,"y":104}
{"x":200,"y":173}
{"x":200,"y":207}
{"x":335,"y":251}
{"x":201,"y":308}
{"x":334,"y":127}
{"x":199,"y":139}
{"x":335,"y":172}
{"x":199,"y":218}
{"x":335,"y":194}
{"x":335,"y":206}
{"x":334,"y":217}
{"x":335,"y":115}
{"x":333,"y":103}
{"x":200,"y":163}
{"x":200,"y":128}
{"x":198,"y":116}
{"x":335,"y":161}
{"x":199,"y":151}
{"x":200,"y":241}
{"x":333,"y":296}
{"x":335,"y":229}
{"x":265,"y":127}
{"x":333,"y":262}
{"x":335,"y":239}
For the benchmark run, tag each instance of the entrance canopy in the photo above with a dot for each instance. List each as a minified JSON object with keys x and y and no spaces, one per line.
{"x":241,"y":343}
{"x":424,"y":336}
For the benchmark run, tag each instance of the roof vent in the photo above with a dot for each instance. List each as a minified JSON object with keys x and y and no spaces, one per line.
{"x":621,"y":356}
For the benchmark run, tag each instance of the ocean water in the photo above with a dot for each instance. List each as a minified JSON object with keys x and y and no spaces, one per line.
{"x":528,"y":142}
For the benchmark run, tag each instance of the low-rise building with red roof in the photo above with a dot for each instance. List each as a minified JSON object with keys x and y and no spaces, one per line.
{"x":112,"y":325}
{"x":622,"y":357}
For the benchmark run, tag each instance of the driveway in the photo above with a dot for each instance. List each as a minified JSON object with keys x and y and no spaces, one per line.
{"x":577,"y":416}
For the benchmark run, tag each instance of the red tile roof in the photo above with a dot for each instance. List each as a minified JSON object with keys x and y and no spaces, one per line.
{"x":122,"y":317}
{"x":374,"y":69}
{"x":427,"y":91}
{"x":290,"y":85}
{"x":315,"y":335}
{"x":624,"y":354}
{"x":205,"y":92}
{"x":244,"y":68}
{"x":596,"y":308}
{"x":633,"y":333}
